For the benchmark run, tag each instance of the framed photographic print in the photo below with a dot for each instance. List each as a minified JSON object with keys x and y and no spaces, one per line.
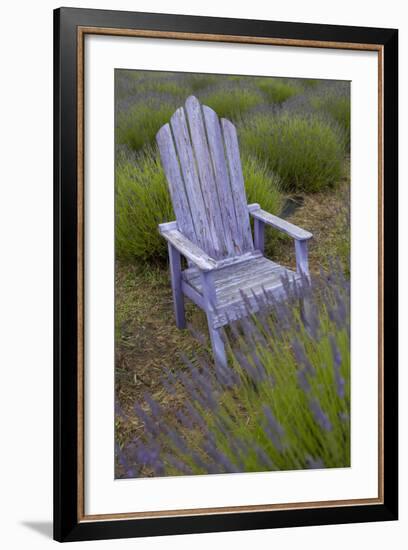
{"x":225,"y":274}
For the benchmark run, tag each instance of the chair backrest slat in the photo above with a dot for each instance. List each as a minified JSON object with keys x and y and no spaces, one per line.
{"x":171,"y":168}
{"x":201,"y":161}
{"x":192,"y":188}
{"x":222,"y":179}
{"x":206,"y":177}
{"x":237,"y":183}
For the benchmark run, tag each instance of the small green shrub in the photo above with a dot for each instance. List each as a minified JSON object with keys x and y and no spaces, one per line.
{"x":338,"y":107}
{"x":309,"y":82}
{"x":138,"y":126}
{"x":261,"y":184}
{"x":163,"y":87}
{"x":140,"y":83}
{"x":196,"y":82}
{"x":276,"y":90}
{"x":231,"y":103}
{"x":305,"y":151}
{"x":143,"y":201}
{"x":263,"y":187}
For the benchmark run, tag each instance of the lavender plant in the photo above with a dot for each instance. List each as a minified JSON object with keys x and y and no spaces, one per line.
{"x":306,"y":151}
{"x":231,"y":101}
{"x":282,"y":403}
{"x":277,"y":90}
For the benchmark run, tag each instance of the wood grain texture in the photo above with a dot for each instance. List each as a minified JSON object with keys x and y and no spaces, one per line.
{"x":206,"y":178}
{"x":206,"y":236}
{"x":223,"y":185}
{"x":175,"y":182}
{"x":284,"y":226}
{"x":207,"y":37}
{"x":237,"y":184}
{"x":302,"y":260}
{"x":190,"y":250}
{"x":175,"y":277}
{"x":251,"y":278}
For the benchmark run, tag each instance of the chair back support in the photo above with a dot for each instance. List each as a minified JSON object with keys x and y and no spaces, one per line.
{"x":200,"y":157}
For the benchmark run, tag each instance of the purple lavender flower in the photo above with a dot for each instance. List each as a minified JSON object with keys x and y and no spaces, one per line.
{"x":335,"y":351}
{"x":150,"y":425}
{"x":301,"y":357}
{"x":198,"y":461}
{"x":344,"y":417}
{"x":310,"y":316}
{"x":219,"y":457}
{"x":303,"y":381}
{"x":320,"y":416}
{"x":340,"y":384}
{"x":169,"y":382}
{"x":195,"y":416}
{"x":177,"y":440}
{"x":250,"y":370}
{"x":149,"y":455}
{"x":272,"y":428}
{"x":198,"y":335}
{"x":179,"y":465}
{"x":314,"y":463}
{"x":129,"y":471}
{"x":264,"y":459}
{"x":154,"y":407}
{"x":184,"y":420}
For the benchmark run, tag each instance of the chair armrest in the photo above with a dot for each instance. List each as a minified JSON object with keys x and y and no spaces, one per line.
{"x":191,"y":251}
{"x":290,"y":229}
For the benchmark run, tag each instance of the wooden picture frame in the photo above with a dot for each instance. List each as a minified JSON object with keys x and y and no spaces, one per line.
{"x":70,"y":28}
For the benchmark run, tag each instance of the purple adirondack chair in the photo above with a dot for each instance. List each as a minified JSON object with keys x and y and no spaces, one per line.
{"x":200,"y":157}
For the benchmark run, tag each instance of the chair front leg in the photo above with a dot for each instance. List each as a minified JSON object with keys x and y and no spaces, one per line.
{"x":259,"y":235}
{"x":178,"y":297}
{"x":209,"y":296}
{"x":302,"y":260}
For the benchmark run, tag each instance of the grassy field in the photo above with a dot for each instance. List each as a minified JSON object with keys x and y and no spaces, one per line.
{"x":294,"y":138}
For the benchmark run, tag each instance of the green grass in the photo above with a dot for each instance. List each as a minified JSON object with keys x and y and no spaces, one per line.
{"x":143,"y":201}
{"x":306,"y":152}
{"x":276,"y":90}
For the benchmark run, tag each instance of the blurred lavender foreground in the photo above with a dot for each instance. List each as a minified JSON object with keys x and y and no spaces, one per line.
{"x":283,"y":402}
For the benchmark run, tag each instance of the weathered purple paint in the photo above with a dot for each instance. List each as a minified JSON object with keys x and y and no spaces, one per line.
{"x":175,"y":275}
{"x":259,"y":235}
{"x":302,"y":260}
{"x":228,"y":272}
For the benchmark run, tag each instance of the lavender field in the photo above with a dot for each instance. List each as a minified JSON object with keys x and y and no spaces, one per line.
{"x":283,"y":401}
